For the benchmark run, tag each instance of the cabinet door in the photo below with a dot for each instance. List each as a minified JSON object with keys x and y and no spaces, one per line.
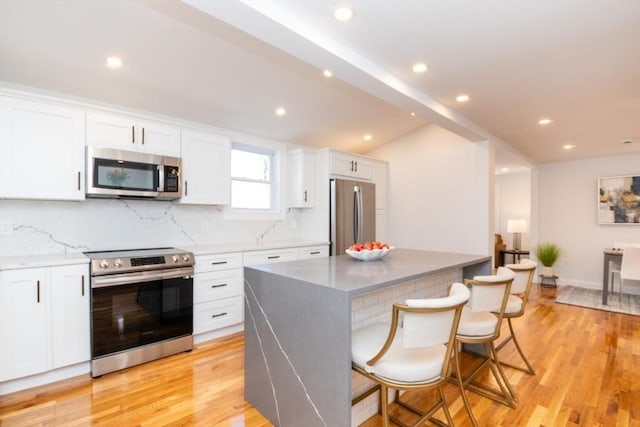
{"x":350,"y":165}
{"x":70,"y":336}
{"x":206,"y":168}
{"x":23,"y":335}
{"x":302,"y":171}
{"x":270,"y":256}
{"x":42,"y":148}
{"x":111,"y":131}
{"x":158,"y":138}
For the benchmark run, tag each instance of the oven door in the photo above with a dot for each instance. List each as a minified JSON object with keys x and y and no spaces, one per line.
{"x":136,"y":309}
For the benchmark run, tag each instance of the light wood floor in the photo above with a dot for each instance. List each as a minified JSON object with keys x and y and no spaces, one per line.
{"x":587,"y":362}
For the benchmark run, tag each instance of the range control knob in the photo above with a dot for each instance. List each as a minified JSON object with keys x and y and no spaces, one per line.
{"x":185,"y":258}
{"x":175,"y":258}
{"x":117,"y":263}
{"x":104,"y":264}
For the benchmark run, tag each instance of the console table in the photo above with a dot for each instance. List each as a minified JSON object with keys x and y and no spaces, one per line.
{"x":516,"y":253}
{"x":610,"y":255}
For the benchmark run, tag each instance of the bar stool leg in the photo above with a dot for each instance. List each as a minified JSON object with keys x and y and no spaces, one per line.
{"x":465,"y":400}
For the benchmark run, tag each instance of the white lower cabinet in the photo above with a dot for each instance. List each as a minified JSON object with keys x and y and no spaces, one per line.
{"x":44,"y":319}
{"x":313,"y":252}
{"x":218,"y":283}
{"x":270,"y":255}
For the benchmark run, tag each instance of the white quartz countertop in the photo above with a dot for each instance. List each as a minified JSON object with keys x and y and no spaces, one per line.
{"x":249,"y":246}
{"x":34,"y":261}
{"x":357,"y":277}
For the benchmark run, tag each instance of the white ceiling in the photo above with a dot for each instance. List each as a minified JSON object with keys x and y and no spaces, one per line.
{"x":231,"y":63}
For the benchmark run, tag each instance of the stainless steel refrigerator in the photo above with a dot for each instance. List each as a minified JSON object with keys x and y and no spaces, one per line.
{"x":353,"y":213}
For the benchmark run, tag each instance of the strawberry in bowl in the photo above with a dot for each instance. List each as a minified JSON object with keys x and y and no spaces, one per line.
{"x":368,"y":251}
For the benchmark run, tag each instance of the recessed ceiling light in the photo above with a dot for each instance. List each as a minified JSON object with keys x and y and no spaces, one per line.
{"x":568,"y":147}
{"x":420,"y":67}
{"x":413,"y":114}
{"x":327,"y":73}
{"x":505,"y":169}
{"x":463,"y":98}
{"x":367,"y":137}
{"x":545,"y":121}
{"x":113,"y":62}
{"x":280,"y":111}
{"x":343,"y":13}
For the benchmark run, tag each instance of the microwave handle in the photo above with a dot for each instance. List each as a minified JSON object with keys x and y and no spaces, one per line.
{"x":160,"y":172}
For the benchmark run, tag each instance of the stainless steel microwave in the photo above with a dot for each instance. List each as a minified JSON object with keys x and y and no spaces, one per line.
{"x":128,"y":174}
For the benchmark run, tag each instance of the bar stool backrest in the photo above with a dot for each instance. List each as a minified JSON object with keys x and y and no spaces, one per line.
{"x":630,"y":269}
{"x":488,"y":292}
{"x":523,"y":275}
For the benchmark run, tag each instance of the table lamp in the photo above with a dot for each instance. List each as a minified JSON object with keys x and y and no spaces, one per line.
{"x":516,"y":226}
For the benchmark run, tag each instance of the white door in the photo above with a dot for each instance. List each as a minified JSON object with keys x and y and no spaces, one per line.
{"x":70,"y":336}
{"x":111,"y":131}
{"x":23,"y":335}
{"x":206,"y":166}
{"x":158,"y":138}
{"x":42,"y":148}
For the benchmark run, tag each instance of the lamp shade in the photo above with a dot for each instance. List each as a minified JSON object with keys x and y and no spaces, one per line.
{"x":517,"y":226}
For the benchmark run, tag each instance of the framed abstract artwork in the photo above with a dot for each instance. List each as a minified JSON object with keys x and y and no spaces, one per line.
{"x":619,"y":200}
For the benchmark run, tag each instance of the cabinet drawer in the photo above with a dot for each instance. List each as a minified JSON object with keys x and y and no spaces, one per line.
{"x":214,"y":285}
{"x":313,"y":252}
{"x":270,"y":256}
{"x":217,"y":262}
{"x":212,"y":315}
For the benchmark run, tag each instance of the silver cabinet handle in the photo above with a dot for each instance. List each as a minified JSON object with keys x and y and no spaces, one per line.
{"x":186,"y":187}
{"x":314,"y":253}
{"x":273,"y":257}
{"x":83,"y":285}
{"x":78,"y":180}
{"x":305,"y":195}
{"x":222,"y":285}
{"x":142,"y":136}
{"x":38,"y":291}
{"x":133,"y":134}
{"x":224,"y":313}
{"x":218,"y":262}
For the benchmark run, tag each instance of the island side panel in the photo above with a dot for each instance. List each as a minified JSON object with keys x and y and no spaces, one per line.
{"x":482,"y":268}
{"x":297,"y":351}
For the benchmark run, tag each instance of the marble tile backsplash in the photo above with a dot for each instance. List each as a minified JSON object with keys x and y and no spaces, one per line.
{"x":56,"y":227}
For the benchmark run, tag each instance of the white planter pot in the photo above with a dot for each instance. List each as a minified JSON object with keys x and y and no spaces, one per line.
{"x":547,"y":271}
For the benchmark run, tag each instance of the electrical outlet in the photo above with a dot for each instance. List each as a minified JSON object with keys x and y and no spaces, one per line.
{"x":6,"y":227}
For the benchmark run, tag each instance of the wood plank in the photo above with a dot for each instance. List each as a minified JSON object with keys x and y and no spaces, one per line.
{"x":587,"y":363}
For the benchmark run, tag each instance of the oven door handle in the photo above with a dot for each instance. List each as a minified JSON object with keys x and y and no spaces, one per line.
{"x":146,"y":276}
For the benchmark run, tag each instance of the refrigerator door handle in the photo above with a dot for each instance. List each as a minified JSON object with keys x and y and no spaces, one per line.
{"x":357,"y":214}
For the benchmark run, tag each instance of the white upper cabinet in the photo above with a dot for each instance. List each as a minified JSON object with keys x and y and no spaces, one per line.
{"x":42,"y":150}
{"x":301,"y":179}
{"x":350,"y":165}
{"x":206,"y":168}
{"x":132,"y":134}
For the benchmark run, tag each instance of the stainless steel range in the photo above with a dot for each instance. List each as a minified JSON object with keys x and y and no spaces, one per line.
{"x":141,"y":306}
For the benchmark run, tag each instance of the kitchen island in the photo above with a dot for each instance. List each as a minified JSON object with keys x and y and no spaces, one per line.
{"x":298,"y":321}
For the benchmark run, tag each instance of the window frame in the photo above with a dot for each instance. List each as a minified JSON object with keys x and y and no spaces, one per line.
{"x":275,"y":149}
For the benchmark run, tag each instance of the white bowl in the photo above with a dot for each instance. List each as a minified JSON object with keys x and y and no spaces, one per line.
{"x":368,"y":255}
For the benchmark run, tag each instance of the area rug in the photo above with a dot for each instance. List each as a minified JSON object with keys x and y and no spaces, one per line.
{"x":592,"y":298}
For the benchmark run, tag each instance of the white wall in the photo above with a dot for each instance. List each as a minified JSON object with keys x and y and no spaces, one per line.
{"x":439,"y":194}
{"x":567,"y":214}
{"x":513,"y":201}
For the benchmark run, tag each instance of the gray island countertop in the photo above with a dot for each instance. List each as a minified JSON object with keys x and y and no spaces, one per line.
{"x":298,"y":323}
{"x":358,"y":277}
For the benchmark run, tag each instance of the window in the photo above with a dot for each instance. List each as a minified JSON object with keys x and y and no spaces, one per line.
{"x":252,"y":177}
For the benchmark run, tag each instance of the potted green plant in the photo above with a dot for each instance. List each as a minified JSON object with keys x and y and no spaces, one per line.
{"x":547,"y":254}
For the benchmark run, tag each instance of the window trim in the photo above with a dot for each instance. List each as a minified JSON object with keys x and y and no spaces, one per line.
{"x":260,"y":146}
